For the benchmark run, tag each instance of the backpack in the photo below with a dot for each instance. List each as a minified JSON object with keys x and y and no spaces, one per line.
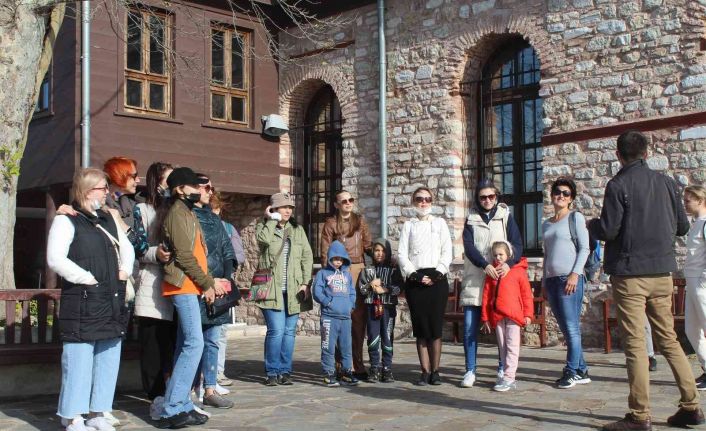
{"x":593,"y":263}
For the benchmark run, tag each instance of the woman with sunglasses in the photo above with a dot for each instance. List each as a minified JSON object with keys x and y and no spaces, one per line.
{"x":350,"y":228}
{"x":488,"y":222}
{"x":563,"y":279}
{"x":425,"y":254}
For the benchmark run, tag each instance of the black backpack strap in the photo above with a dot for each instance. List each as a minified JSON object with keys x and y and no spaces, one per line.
{"x":572,"y":229}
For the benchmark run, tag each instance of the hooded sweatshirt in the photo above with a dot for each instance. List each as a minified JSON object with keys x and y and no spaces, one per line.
{"x":387,"y":272}
{"x":333,"y":288}
{"x":509,"y":297}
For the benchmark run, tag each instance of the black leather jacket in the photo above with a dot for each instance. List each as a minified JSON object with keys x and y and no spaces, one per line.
{"x":642,"y":214}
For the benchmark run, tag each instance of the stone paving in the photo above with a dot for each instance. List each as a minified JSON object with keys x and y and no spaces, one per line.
{"x":307,"y":405}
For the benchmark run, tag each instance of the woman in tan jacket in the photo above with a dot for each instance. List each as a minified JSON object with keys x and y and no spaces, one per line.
{"x":350,"y":228}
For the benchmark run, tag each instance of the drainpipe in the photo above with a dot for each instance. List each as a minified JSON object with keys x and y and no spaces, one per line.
{"x":85,"y":84}
{"x":382,"y":122}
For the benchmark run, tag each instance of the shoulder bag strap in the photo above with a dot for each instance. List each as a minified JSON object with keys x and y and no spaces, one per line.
{"x":572,"y":229}
{"x":114,"y":241}
{"x":285,"y":237}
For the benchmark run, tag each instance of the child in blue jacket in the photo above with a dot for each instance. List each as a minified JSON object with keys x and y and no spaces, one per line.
{"x":334,"y":290}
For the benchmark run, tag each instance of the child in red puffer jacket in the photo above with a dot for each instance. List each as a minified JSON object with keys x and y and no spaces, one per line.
{"x":508,"y":305}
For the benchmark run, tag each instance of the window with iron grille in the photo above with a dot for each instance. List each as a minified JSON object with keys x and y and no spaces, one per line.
{"x":147,"y":66}
{"x":230,"y":76}
{"x":510,"y":136}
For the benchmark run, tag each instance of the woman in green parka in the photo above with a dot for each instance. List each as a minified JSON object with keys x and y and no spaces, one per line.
{"x":285,"y":249}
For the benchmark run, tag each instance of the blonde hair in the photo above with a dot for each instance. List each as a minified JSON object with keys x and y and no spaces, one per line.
{"x":84,"y":181}
{"x":699,"y":192}
{"x":502,"y":244}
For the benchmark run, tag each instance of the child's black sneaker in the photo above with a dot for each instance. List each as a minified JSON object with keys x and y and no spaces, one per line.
{"x":583,"y":377}
{"x":349,"y":379}
{"x":701,"y":385}
{"x":373,"y":375}
{"x":331,"y":381}
{"x":701,"y":378}
{"x":386,"y":376}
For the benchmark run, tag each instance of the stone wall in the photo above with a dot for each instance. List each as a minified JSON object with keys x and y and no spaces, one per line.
{"x":603,"y":62}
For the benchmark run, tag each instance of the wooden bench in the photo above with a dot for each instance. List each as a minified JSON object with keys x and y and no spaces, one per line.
{"x":677,"y":311}
{"x":43,"y":344}
{"x":454,"y":313}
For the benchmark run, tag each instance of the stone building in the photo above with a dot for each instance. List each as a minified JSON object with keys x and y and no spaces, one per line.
{"x":520,"y":91}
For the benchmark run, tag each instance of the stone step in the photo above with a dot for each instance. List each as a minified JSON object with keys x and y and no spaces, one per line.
{"x":241,"y":329}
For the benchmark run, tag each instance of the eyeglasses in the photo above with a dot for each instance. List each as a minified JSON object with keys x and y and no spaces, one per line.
{"x":133,"y":176}
{"x":420,"y":199}
{"x":488,"y":197}
{"x":102,"y":189}
{"x":209,"y":188}
{"x":565,"y":193}
{"x":346,"y":201}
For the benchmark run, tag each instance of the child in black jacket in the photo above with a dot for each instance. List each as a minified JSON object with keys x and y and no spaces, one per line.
{"x":380,"y":283}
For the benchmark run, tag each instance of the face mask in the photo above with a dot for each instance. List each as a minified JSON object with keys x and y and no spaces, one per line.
{"x":422,"y":212}
{"x":96,"y":204}
{"x":165,"y":193}
{"x":193,"y":197}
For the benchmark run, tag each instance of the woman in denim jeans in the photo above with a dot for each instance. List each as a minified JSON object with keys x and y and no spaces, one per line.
{"x":563,"y":280}
{"x":285,"y":249}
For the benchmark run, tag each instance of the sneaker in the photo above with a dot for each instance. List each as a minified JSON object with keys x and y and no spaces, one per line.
{"x":112,"y":420}
{"x":423,"y":379}
{"x":195,"y":418}
{"x":468,"y":379}
{"x":386,"y":376}
{"x":701,"y":385}
{"x":76,"y":424}
{"x":223,"y":380}
{"x":216,"y":400}
{"x":331,"y":381}
{"x":271,"y":381}
{"x":434,"y":378}
{"x":201,"y":411}
{"x":583,"y":378}
{"x":99,"y":423}
{"x":568,"y":380}
{"x":349,"y":379}
{"x":174,"y":422}
{"x":221,"y":390}
{"x":505,"y":385}
{"x":701,"y":378}
{"x":683,"y":418}
{"x":653,"y":363}
{"x":361,"y":376}
{"x":373,"y":375}
{"x":285,"y":379}
{"x":157,"y":408}
{"x":629,"y":422}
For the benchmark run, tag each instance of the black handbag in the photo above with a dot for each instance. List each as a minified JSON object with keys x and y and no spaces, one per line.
{"x":224,"y":303}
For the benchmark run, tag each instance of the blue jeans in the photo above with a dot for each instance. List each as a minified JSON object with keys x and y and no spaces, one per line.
{"x":89,"y":372}
{"x":208,"y":367}
{"x":471,"y":326}
{"x":336,"y":333}
{"x":189,"y":348}
{"x":567,"y":310}
{"x":279,"y":340}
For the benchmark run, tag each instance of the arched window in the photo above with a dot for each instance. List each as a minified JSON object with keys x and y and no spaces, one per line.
{"x":510,"y":135}
{"x":323,"y":161}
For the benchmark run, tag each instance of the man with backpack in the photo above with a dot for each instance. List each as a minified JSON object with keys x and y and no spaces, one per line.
{"x":642,"y":214}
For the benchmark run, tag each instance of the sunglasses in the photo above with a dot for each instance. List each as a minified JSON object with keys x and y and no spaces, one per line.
{"x":102,"y":189}
{"x":209,"y":188}
{"x":420,"y":199}
{"x":488,"y":197}
{"x":133,"y":176}
{"x":565,"y":193}
{"x":346,"y":201}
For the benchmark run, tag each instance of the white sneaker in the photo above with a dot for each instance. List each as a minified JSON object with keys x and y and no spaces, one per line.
{"x":505,"y":385}
{"x":157,"y":408}
{"x":112,"y":420}
{"x":501,"y":375}
{"x":468,"y":379}
{"x":99,"y":423}
{"x":221,"y":390}
{"x":76,"y":424}
{"x":202,"y":411}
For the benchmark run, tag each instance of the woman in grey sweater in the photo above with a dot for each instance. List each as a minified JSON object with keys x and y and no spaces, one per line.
{"x":563,"y":281}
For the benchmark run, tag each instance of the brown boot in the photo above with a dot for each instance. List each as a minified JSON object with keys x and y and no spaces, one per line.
{"x":629,"y":422}
{"x":682,"y":418}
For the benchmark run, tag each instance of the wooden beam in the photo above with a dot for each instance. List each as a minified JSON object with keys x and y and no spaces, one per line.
{"x":643,"y":125}
{"x":326,"y":49}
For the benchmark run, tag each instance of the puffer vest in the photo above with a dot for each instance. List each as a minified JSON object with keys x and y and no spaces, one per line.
{"x":484,"y":235}
{"x":90,"y":313}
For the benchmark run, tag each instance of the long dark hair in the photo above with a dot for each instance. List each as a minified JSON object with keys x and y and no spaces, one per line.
{"x":155,"y":174}
{"x":354,"y":221}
